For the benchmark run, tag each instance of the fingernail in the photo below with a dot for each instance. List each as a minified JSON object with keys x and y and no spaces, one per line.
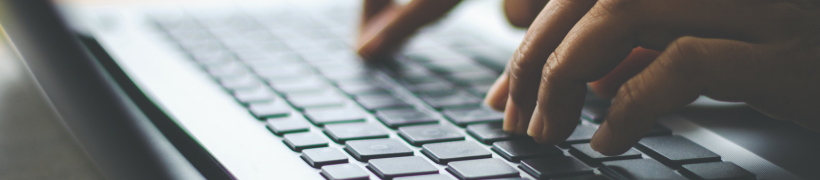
{"x":496,"y":94}
{"x":536,"y":127}
{"x":601,"y":139}
{"x":510,"y":117}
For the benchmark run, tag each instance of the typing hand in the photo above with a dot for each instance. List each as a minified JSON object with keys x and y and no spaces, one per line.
{"x":386,"y":25}
{"x":765,"y":53}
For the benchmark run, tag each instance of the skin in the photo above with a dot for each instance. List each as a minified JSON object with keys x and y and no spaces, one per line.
{"x":652,"y":57}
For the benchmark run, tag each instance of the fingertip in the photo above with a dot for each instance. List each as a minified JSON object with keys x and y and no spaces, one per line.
{"x":605,"y":143}
{"x":510,"y":117}
{"x":536,"y":126}
{"x":498,"y":94}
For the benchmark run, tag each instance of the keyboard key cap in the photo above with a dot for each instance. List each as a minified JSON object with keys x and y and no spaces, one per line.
{"x":300,"y":141}
{"x":430,"y":88}
{"x":659,"y":130}
{"x":344,"y":172}
{"x":585,"y":177}
{"x":361,"y":89}
{"x":270,"y":109}
{"x":481,"y":169}
{"x":425,"y":177}
{"x":639,"y":169}
{"x":472,"y":77}
{"x":300,"y":85}
{"x":516,"y":150}
{"x":290,"y":124}
{"x":583,"y":133}
{"x":403,"y":117}
{"x":479,"y":90}
{"x":388,"y":168}
{"x":445,"y":152}
{"x":490,"y":132}
{"x":586,"y":153}
{"x":594,"y":113}
{"x":716,"y":170}
{"x":323,"y":116}
{"x":354,"y":131}
{"x":418,"y":135}
{"x":323,"y":156}
{"x":364,"y":150}
{"x":258,"y":95}
{"x":676,"y":150}
{"x":316,"y":100}
{"x":465,"y":116}
{"x":554,"y":167}
{"x":386,"y":101}
{"x":459,"y":99}
{"x":240,"y":83}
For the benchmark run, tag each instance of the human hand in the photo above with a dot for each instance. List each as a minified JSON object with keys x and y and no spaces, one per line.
{"x":385,"y":26}
{"x":761,"y":52}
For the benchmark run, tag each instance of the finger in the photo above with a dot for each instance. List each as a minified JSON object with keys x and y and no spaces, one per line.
{"x":679,"y":75}
{"x":521,"y":13}
{"x":637,"y":60}
{"x":551,"y":26}
{"x":498,"y":93}
{"x":409,"y":18}
{"x":373,"y":7}
{"x":606,"y":35}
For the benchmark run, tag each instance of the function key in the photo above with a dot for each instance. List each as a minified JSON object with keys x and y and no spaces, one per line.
{"x":323,"y":156}
{"x":269,"y":109}
{"x":516,"y":150}
{"x":465,"y":116}
{"x":344,"y":172}
{"x":290,"y":124}
{"x":490,"y":132}
{"x":300,"y":141}
{"x":481,"y":169}
{"x":384,"y":101}
{"x":403,"y":117}
{"x":554,"y":167}
{"x":388,"y":168}
{"x":364,"y":150}
{"x":354,"y":131}
{"x":676,"y":150}
{"x":586,"y":153}
{"x":418,"y":135}
{"x":640,"y":169}
{"x":324,"y":116}
{"x":445,"y":152}
{"x":716,"y":170}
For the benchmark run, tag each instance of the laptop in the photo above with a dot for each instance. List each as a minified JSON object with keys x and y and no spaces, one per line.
{"x":274,"y":90}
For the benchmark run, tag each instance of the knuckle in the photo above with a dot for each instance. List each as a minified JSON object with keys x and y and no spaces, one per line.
{"x":684,"y":55}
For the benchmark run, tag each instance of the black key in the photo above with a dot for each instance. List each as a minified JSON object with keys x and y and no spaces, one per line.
{"x":418,"y":135}
{"x":354,"y":131}
{"x":659,"y":130}
{"x":479,"y":90}
{"x":323,"y":156}
{"x":300,"y":141}
{"x":554,"y":167}
{"x":361,"y":89}
{"x":585,"y":177}
{"x":586,"y":153}
{"x":258,"y":95}
{"x":516,"y":150}
{"x":481,"y":169}
{"x":716,"y":170}
{"x":403,"y":117}
{"x":490,"y":132}
{"x":458,"y":99}
{"x":316,"y":100}
{"x":364,"y":150}
{"x":376,"y":102}
{"x":270,"y":109}
{"x":290,"y":124}
{"x":445,"y":152}
{"x":594,"y":113}
{"x":676,"y":150}
{"x":344,"y":172}
{"x":323,"y":116}
{"x":463,"y":117}
{"x":425,"y":177}
{"x":389,"y":168}
{"x":430,"y":87}
{"x":583,"y":133}
{"x":472,"y":77}
{"x":639,"y":169}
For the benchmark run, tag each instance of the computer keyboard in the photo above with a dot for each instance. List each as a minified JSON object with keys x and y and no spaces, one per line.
{"x":417,"y":116}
